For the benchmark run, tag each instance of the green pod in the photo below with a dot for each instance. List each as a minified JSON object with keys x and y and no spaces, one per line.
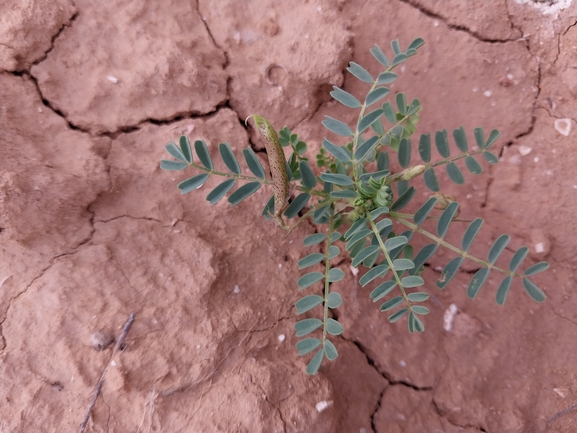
{"x":277,"y":162}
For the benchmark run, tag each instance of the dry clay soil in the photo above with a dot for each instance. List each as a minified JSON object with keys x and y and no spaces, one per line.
{"x":92,"y":230}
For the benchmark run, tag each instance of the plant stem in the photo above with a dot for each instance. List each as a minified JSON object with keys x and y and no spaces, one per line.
{"x":456,"y":250}
{"x":327,"y":284}
{"x":390,"y":262}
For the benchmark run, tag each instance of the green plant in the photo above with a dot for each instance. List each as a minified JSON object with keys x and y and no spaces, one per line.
{"x":355,"y":188}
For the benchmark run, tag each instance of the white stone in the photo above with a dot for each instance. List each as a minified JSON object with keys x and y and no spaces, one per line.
{"x":563,"y":126}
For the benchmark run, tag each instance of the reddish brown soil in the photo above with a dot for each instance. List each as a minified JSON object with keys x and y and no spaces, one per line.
{"x":92,"y":230}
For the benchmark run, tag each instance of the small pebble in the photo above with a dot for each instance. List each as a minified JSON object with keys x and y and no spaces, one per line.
{"x":100,"y":340}
{"x":487,"y":93}
{"x":322,"y":405}
{"x":112,"y":79}
{"x":525,"y":150}
{"x":563,"y":126}
{"x":236,"y":289}
{"x":281,"y":337}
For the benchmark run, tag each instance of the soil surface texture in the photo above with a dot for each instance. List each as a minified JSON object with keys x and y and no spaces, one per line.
{"x":92,"y":230}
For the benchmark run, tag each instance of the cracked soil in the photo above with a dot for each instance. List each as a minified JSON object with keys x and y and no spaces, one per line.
{"x":91,"y":230}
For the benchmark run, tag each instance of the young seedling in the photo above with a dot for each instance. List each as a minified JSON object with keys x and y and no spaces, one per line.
{"x":354,"y":196}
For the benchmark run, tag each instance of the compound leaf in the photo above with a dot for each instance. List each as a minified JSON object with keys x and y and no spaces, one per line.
{"x":337,"y":179}
{"x":419,"y":309}
{"x":383,"y":290}
{"x":333,"y":327}
{"x":401,"y":101}
{"x":399,"y":58}
{"x":494,"y":134}
{"x":334,"y":300}
{"x":536,"y":268}
{"x":345,"y":98}
{"x":471,"y":233}
{"x":203,"y":154}
{"x":446,"y":218}
{"x":309,"y":279}
{"x":337,"y":151}
{"x":422,"y":256}
{"x":397,"y":315}
{"x":192,"y":183}
{"x":498,"y":248}
{"x":376,"y":94}
{"x":397,"y":241}
{"x":308,"y":178}
{"x":314,"y":239}
{"x":229,"y":158}
{"x":357,"y":225}
{"x":449,"y":272}
{"x":490,"y":157}
{"x":477,"y":281}
{"x":253,"y":163}
{"x":455,"y":173}
{"x":389,"y":112}
{"x":219,"y":192}
{"x":442,"y":143}
{"x":418,"y":42}
{"x":373,"y":273}
{"x":310,"y":260}
{"x":344,"y":193}
{"x":369,"y":119}
{"x":307,"y":345}
{"x":503,"y":290}
{"x":335,"y":274}
{"x":473,"y":166}
{"x":415,"y":324}
{"x":386,"y":77}
{"x":461,"y":139}
{"x":185,"y":148}
{"x":533,"y":291}
{"x":175,"y":151}
{"x":308,"y":303}
{"x":391,"y":303}
{"x":517,"y":258}
{"x":360,"y":72}
{"x":166,"y":164}
{"x":431,"y":180}
{"x":479,"y":137}
{"x":423,"y":212}
{"x":296,"y":205}
{"x":363,"y":254}
{"x":412,"y":281}
{"x":334,"y":250}
{"x":364,"y":149}
{"x":405,"y":152}
{"x":380,"y":56}
{"x":403,"y":264}
{"x":383,"y":224}
{"x":418,"y":296}
{"x":337,"y":127}
{"x":243,"y":192}
{"x":315,"y":363}
{"x":330,"y":350}
{"x":404,"y":199}
{"x":425,"y":147}
{"x":374,"y":214}
{"x":306,"y":326}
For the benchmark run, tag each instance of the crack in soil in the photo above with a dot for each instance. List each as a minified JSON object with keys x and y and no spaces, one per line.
{"x":268,"y":400}
{"x":459,"y":28}
{"x":442,"y":415}
{"x":54,"y":38}
{"x":562,"y":317}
